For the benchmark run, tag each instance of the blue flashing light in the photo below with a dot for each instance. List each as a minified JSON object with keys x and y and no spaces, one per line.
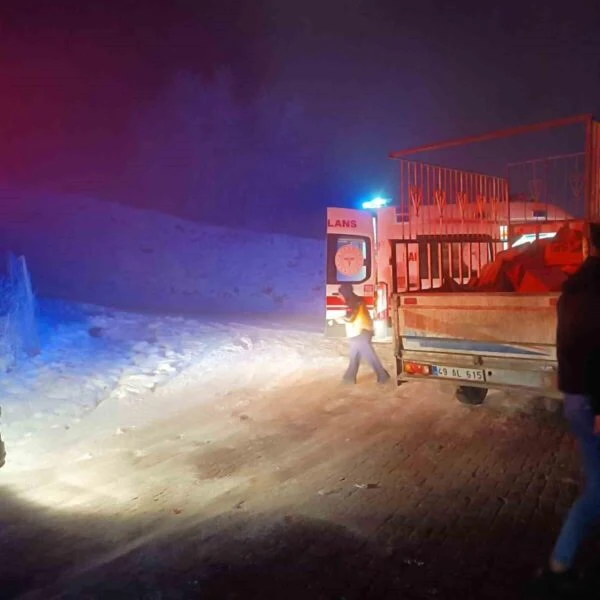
{"x":375,"y":203}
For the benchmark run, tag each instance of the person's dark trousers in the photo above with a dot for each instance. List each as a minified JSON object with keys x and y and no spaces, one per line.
{"x":586,"y":511}
{"x":361,"y":348}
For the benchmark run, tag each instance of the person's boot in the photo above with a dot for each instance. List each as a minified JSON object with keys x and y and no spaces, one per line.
{"x":383,"y":378}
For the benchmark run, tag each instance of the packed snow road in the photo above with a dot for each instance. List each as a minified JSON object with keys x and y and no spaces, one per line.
{"x":155,"y":457}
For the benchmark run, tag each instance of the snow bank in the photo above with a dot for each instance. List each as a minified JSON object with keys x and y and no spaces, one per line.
{"x":106,"y":371}
{"x":91,"y":251}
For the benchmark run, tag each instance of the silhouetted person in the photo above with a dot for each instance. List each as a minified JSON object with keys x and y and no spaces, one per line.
{"x":578,"y":351}
{"x":359,"y":330}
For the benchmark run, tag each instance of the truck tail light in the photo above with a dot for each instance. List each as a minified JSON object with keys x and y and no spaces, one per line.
{"x":412,"y":368}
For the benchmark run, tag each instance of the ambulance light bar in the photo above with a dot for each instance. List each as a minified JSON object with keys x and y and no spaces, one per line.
{"x":377,"y":202}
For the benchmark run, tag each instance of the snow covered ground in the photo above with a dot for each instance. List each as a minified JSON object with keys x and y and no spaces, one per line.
{"x":113,"y":368}
{"x":113,"y":387}
{"x":85,"y":250}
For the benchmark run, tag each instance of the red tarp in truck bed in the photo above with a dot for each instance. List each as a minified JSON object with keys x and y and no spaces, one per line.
{"x":541,"y":266}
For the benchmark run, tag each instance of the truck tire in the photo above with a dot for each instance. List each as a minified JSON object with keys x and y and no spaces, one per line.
{"x":552,"y":405}
{"x":474,"y":396}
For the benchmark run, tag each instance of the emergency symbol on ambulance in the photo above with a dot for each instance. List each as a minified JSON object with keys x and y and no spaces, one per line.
{"x":349,"y":260}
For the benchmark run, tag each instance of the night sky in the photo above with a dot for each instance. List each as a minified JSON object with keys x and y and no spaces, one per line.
{"x":255,"y":111}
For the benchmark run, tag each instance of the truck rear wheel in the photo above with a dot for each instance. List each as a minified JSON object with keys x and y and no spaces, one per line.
{"x":552,"y":405}
{"x":466,"y":394}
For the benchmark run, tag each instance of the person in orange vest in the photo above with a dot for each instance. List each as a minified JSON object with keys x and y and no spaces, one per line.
{"x":359,"y":331}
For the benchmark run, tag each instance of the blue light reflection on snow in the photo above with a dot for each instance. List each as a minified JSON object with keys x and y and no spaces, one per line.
{"x":77,"y":370}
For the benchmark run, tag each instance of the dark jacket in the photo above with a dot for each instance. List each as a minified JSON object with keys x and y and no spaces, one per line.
{"x":578,"y":333}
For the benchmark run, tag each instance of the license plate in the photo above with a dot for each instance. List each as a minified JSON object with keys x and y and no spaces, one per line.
{"x":458,"y":373}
